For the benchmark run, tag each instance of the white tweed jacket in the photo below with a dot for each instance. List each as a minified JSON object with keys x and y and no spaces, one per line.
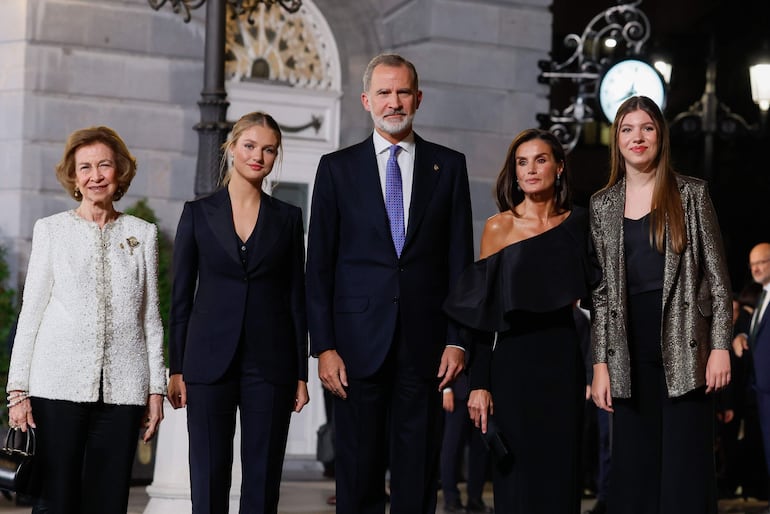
{"x":89,"y":315}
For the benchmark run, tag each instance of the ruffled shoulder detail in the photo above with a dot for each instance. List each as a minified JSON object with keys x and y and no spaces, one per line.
{"x":539,"y":274}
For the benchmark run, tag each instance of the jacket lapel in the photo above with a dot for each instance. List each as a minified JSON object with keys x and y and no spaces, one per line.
{"x":615,"y":210}
{"x":220,"y":219}
{"x":427,"y":170}
{"x":269,"y":226}
{"x":672,"y":258}
{"x":366,"y":182}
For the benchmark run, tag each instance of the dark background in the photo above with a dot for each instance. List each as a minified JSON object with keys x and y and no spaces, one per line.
{"x":683,"y":31}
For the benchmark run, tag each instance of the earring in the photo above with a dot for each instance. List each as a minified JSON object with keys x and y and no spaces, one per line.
{"x":558,"y":180}
{"x":77,"y":194}
{"x":518,"y":187}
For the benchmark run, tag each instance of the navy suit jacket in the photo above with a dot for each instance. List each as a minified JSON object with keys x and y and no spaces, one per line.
{"x":760,"y":348}
{"x":358,"y":289}
{"x":215,"y":301}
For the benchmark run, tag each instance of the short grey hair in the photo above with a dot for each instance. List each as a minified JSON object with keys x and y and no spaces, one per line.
{"x":393,"y":60}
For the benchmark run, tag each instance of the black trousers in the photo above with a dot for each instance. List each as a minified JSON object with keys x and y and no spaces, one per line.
{"x":662,"y":454}
{"x":265,"y":411}
{"x":459,"y":430}
{"x":85,"y":453}
{"x":662,"y":448}
{"x":392,"y":419}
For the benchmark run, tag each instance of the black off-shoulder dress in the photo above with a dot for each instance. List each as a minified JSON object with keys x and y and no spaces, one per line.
{"x":524,"y":293}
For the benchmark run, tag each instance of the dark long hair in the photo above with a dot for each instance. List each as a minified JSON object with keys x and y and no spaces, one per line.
{"x":666,"y":200}
{"x":508,"y":196}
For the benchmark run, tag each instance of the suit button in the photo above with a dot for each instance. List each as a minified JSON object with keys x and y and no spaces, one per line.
{"x":686,"y":304}
{"x":611,"y":352}
{"x":693,"y":343}
{"x":401,"y":269}
{"x":245,"y":278}
{"x":395,"y":299}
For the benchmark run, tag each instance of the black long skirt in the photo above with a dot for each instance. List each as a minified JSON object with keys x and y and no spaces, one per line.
{"x":538,"y":389}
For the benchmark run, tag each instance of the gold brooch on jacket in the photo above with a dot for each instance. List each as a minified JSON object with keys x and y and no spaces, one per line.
{"x":132,"y":243}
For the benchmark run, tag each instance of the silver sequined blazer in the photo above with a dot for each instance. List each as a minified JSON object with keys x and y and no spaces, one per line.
{"x":696,"y":292}
{"x":89,"y":316}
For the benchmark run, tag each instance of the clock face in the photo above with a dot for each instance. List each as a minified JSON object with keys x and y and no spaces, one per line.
{"x":626,"y":79}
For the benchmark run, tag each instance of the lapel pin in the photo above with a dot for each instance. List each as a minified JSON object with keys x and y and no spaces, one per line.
{"x":435,"y":167}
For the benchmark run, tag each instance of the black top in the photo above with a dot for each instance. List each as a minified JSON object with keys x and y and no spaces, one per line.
{"x":540,"y":274}
{"x":644,"y":264}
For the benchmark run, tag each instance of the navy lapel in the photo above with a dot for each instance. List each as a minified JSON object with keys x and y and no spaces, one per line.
{"x":427,"y":170}
{"x":219,"y":215}
{"x":761,"y":322}
{"x":269,"y":226}
{"x":365,"y":177}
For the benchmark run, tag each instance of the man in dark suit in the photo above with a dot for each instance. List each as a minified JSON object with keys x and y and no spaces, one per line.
{"x":390,"y":230}
{"x":758,"y":342}
{"x":459,"y":432}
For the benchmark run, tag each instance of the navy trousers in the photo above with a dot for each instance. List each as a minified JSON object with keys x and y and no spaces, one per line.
{"x":265,"y":410}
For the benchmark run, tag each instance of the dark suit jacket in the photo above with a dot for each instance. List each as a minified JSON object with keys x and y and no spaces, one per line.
{"x":760,"y":349}
{"x":215,"y":300}
{"x":697,"y":310}
{"x":357,"y":287}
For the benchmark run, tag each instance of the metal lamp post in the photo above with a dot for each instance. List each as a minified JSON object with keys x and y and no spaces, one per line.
{"x":711,"y":117}
{"x":213,"y":126}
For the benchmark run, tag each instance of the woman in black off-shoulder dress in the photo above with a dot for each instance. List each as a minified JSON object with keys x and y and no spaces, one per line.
{"x":534,"y":265}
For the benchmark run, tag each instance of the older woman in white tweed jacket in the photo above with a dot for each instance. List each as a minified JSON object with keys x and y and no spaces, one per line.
{"x":87,"y":359}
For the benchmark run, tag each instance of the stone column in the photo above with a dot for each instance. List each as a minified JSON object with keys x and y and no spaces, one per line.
{"x":170,"y":489}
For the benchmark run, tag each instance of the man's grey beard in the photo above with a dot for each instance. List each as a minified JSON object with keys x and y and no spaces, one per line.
{"x":390,"y":127}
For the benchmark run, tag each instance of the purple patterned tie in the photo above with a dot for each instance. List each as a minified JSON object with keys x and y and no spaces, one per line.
{"x":394,"y":199}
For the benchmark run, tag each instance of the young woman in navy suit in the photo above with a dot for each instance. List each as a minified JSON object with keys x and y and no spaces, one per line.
{"x":238,"y":334}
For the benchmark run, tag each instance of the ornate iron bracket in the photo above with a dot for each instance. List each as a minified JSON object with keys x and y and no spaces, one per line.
{"x":239,"y":7}
{"x":315,"y":121}
{"x":626,"y":24}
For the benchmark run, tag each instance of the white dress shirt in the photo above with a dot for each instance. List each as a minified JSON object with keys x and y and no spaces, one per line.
{"x":405,"y":162}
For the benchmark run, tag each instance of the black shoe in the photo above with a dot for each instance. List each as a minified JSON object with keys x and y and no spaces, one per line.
{"x":479,"y":506}
{"x":599,"y":508}
{"x":455,"y":506}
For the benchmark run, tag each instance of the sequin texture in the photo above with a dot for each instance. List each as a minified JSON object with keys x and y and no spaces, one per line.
{"x":90,"y":313}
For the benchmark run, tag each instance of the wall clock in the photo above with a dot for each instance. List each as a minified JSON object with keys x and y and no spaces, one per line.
{"x":628,"y":78}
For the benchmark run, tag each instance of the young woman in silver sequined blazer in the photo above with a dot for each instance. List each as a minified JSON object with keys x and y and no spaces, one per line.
{"x":661,"y":323}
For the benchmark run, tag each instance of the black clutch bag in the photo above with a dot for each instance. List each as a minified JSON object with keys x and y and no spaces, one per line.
{"x":16,"y":461}
{"x":497,"y":445}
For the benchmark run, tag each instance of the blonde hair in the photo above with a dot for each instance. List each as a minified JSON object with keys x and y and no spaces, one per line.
{"x":252,"y":119}
{"x":125,"y":163}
